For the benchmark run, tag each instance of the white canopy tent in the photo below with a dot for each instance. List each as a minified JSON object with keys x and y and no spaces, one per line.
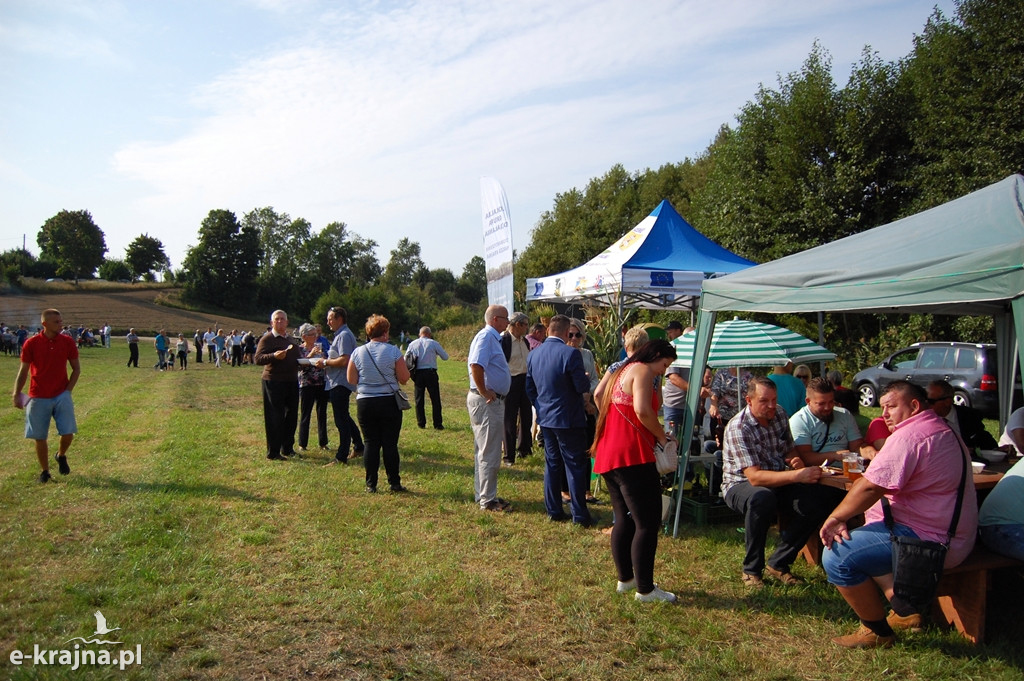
{"x":659,"y":264}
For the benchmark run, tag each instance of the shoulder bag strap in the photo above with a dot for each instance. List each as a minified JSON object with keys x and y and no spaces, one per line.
{"x":887,"y":512}
{"x":368,"y":352}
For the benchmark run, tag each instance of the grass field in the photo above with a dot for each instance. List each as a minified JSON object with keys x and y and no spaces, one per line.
{"x":219,"y":564}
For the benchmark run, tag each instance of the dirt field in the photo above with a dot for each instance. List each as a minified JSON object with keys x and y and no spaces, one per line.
{"x":121,"y":309}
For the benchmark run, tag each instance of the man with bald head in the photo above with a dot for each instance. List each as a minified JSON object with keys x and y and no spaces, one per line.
{"x":489,"y":381}
{"x":426,"y":350}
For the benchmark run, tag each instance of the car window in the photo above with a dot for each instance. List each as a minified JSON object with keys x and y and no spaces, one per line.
{"x":967,"y":358}
{"x":902,"y":361}
{"x":933,"y":358}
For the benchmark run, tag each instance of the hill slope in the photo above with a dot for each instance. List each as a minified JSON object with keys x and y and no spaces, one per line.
{"x":121,"y":309}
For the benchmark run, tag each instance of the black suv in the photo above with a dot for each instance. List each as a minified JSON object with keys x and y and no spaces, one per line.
{"x":969,"y":367}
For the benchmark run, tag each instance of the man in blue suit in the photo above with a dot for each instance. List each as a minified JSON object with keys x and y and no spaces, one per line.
{"x":557,"y":386}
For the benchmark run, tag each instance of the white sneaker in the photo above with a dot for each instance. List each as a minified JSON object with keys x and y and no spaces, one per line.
{"x":625,"y":587}
{"x":656,"y":595}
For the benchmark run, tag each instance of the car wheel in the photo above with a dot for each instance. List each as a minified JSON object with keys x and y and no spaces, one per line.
{"x":961,"y":399}
{"x":867,"y":395}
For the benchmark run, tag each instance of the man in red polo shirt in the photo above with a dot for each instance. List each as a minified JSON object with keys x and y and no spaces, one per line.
{"x":46,"y":355}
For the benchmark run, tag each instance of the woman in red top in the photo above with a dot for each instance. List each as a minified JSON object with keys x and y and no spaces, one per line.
{"x":627,"y":432}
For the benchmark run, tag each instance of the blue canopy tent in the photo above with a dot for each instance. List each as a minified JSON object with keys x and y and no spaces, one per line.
{"x":659,"y":264}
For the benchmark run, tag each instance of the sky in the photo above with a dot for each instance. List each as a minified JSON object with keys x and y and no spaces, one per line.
{"x":382,"y":115}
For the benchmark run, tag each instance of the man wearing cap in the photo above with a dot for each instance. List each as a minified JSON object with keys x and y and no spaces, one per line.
{"x":518,"y":410}
{"x":489,"y":381}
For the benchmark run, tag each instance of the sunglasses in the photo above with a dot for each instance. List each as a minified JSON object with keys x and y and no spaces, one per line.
{"x":575,"y":335}
{"x":936,"y":400}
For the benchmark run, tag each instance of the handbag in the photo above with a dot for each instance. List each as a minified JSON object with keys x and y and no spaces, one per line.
{"x":666,"y":457}
{"x":917,"y":563}
{"x":401,"y":399}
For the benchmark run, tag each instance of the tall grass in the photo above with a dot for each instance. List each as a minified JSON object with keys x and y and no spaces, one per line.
{"x":222,"y":565}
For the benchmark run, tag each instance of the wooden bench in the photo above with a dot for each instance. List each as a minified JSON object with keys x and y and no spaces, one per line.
{"x":963,"y":592}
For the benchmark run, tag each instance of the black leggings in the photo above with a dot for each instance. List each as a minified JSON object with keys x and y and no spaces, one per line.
{"x":635,"y":492}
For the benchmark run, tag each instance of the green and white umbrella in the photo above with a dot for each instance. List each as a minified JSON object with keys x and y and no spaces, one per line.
{"x":741,"y":343}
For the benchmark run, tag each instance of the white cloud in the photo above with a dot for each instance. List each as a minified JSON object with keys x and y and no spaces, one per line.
{"x":385,"y":115}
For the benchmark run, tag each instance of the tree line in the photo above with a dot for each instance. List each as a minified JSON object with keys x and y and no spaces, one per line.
{"x":808,"y":162}
{"x":265,"y":261}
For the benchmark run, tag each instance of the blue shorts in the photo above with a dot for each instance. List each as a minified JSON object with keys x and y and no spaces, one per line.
{"x":39,"y":411}
{"x":866,"y":554}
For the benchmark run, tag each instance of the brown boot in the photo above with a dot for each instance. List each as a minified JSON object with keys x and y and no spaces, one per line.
{"x":911,"y":622}
{"x":864,"y":638}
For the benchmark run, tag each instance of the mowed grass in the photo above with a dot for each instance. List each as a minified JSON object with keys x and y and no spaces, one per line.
{"x":222,"y":565}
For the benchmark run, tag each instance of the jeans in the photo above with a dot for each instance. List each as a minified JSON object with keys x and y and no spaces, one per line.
{"x":635,"y":492}
{"x":866,"y":554}
{"x":1005,"y":539}
{"x":381,"y":422}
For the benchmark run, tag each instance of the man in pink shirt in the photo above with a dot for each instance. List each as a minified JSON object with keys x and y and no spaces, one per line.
{"x":918,"y":470}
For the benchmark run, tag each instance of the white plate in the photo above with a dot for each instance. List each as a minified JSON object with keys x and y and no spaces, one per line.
{"x":305,"y":361}
{"x":992,"y":455}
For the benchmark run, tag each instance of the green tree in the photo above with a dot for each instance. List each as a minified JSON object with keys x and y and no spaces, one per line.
{"x":114,"y":270}
{"x":144,"y":255}
{"x":966,"y":78}
{"x":222,"y":268}
{"x":403,"y":267}
{"x":472,"y":285}
{"x":73,"y":241}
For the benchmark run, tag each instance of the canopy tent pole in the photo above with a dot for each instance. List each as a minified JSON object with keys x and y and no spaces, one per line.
{"x":701,"y":348}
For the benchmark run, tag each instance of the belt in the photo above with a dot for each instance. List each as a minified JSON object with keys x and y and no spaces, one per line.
{"x":477,"y":392}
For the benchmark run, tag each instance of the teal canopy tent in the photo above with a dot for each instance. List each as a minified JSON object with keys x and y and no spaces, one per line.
{"x":965,"y":257}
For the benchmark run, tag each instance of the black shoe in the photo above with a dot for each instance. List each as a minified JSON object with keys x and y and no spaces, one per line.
{"x":371,"y":490}
{"x":62,"y":464}
{"x":438,"y":427}
{"x":44,"y":477}
{"x":421,"y":426}
{"x":497,"y":505}
{"x":398,"y":489}
{"x":357,"y":452}
{"x":559,"y":518}
{"x":275,"y":457}
{"x":290,"y":453}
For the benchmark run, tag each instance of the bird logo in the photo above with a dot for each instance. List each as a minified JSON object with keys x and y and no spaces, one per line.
{"x":101,"y":625}
{"x":101,"y":630}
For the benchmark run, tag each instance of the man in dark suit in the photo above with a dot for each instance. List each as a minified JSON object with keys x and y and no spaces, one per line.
{"x":518,"y":412}
{"x":962,"y":420}
{"x":558,"y":385}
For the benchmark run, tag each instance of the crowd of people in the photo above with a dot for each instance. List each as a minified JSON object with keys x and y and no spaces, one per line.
{"x":776,"y":436}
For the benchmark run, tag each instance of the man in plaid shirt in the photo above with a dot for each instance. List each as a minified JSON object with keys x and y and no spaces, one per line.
{"x":764,"y":477}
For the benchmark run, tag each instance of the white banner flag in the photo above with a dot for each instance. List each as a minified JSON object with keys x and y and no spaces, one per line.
{"x":497,"y":243}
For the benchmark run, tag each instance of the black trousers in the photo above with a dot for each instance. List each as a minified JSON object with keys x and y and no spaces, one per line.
{"x":381,"y":422}
{"x":280,"y":415}
{"x":803,"y":508}
{"x":211,"y":349}
{"x":133,"y":355}
{"x":236,"y":356}
{"x":518,"y":420}
{"x":426,"y":381}
{"x":635,"y":492}
{"x":348,"y":433}
{"x":311,"y":396}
